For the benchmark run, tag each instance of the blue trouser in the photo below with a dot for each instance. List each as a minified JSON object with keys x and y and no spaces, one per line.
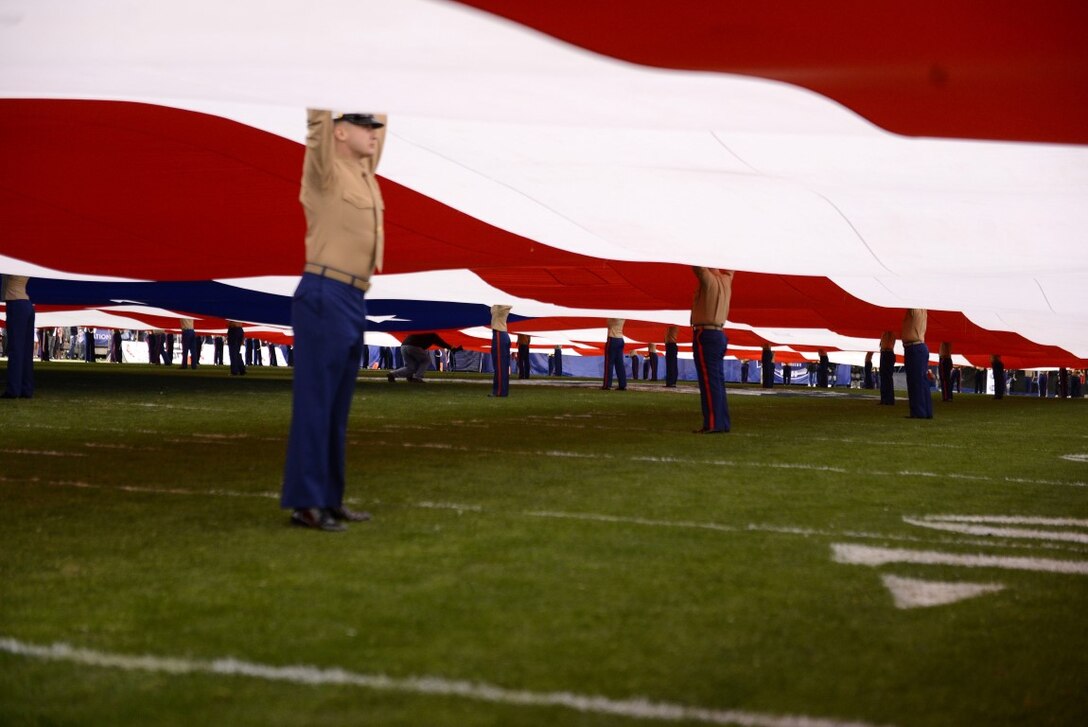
{"x":329,"y":320}
{"x":709,"y":345}
{"x":500,"y":357}
{"x":20,"y":322}
{"x":999,"y":381}
{"x":649,"y":369}
{"x":523,"y":361}
{"x":234,"y":349}
{"x":867,"y":380}
{"x":916,"y":363}
{"x":945,"y":370}
{"x":887,"y":368}
{"x":767,"y":366}
{"x":613,"y":361}
{"x":821,"y":373}
{"x":672,"y":370}
{"x":88,"y":346}
{"x":558,"y":359}
{"x":188,"y":348}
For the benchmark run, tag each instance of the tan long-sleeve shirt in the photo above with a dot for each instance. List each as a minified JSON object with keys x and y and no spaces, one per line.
{"x":914,"y":325}
{"x":498,"y":316}
{"x":14,"y":287}
{"x":343,"y":205}
{"x":711,"y":302}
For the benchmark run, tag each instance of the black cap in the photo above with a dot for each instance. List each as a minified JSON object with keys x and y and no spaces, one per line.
{"x":367,"y":120}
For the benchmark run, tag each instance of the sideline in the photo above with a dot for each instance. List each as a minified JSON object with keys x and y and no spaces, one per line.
{"x":636,"y":708}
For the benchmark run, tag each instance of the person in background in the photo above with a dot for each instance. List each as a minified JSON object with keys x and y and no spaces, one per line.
{"x":767,"y":365}
{"x":523,"y":355}
{"x":235,"y":339}
{"x":44,"y":344}
{"x":709,"y":311}
{"x":867,"y":378}
{"x":500,"y":351}
{"x":649,"y":368}
{"x":416,"y":359}
{"x":217,"y":351}
{"x":19,"y":312}
{"x":823,"y":369}
{"x":887,"y":367}
{"x":944,"y":369}
{"x":613,"y":355}
{"x":189,"y":354}
{"x":787,"y":374}
{"x":998,"y":370}
{"x":115,"y":346}
{"x":672,"y":367}
{"x":980,"y":380}
{"x":636,"y":365}
{"x":916,"y":363}
{"x":557,"y":361}
{"x":344,"y":246}
{"x":88,"y":345}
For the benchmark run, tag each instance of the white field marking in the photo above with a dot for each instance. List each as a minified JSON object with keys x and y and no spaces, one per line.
{"x":43,"y":452}
{"x":1011,"y":520}
{"x":1076,"y":457}
{"x":980,"y":478}
{"x":779,"y":529}
{"x":871,"y":442}
{"x":636,"y":708}
{"x":104,"y":445}
{"x":867,"y":555}
{"x":751,"y":527}
{"x":449,"y":506}
{"x":1000,"y":532}
{"x":631,"y":520}
{"x":915,"y":593}
{"x":721,"y":463}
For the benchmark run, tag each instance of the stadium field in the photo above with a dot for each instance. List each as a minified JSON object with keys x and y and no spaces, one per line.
{"x":566,"y":556}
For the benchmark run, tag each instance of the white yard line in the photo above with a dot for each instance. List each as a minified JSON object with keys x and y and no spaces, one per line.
{"x":559,"y":515}
{"x":1001,"y":532}
{"x":635,"y":708}
{"x":1011,"y":520}
{"x":868,"y":555}
{"x":43,"y":452}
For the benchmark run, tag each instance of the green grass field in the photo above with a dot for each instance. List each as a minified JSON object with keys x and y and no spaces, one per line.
{"x":548,"y":559}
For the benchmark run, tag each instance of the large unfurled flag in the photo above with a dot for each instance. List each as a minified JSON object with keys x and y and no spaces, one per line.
{"x":161,"y":143}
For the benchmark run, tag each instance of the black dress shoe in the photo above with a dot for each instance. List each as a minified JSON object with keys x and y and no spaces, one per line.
{"x":316,"y":519}
{"x":391,"y":378}
{"x":351,"y":516}
{"x":8,"y":395}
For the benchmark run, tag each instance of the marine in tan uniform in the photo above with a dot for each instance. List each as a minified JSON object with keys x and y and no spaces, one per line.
{"x":19,"y":312}
{"x":344,"y":246}
{"x":916,"y":363}
{"x":709,"y":311}
{"x":613,"y":355}
{"x":500,"y":351}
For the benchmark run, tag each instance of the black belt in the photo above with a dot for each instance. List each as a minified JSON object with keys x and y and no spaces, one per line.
{"x":908,"y":344}
{"x":714,"y":326}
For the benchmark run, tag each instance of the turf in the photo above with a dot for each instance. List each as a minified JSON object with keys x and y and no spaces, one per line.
{"x":565,"y":539}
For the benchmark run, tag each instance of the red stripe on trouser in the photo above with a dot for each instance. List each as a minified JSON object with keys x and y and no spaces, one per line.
{"x":706,"y":383}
